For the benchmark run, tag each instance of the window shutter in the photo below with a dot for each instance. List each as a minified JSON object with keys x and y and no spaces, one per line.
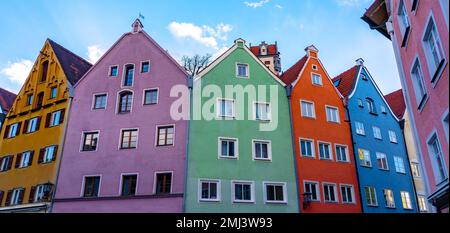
{"x":61,"y":119}
{"x":41,"y":155}
{"x":38,"y":123}
{"x":25,"y":126}
{"x":32,"y":193}
{"x":18,"y":160}
{"x":47,"y":120}
{"x":8,"y":198}
{"x":30,"y":161}
{"x":5,"y":135}
{"x":1,"y":197}
{"x":21,"y":196}
{"x":55,"y":152}
{"x":10,"y":162}
{"x":18,"y":128}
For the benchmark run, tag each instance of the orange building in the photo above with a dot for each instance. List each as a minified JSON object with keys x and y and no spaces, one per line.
{"x":34,"y":130}
{"x":326,"y":171}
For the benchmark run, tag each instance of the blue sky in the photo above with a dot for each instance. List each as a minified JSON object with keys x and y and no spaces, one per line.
{"x":187,"y":27}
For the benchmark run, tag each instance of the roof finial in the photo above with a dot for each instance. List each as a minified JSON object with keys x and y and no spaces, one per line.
{"x":360,"y":62}
{"x":137,"y":25}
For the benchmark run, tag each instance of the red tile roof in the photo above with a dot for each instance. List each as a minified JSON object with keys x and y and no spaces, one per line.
{"x":397,"y":103}
{"x":346,"y":80}
{"x":271,"y":50}
{"x":290,"y":75}
{"x":73,"y":65}
{"x":6,"y":99}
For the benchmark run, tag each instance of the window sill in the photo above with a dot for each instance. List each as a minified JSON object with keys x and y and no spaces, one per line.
{"x":422,"y":103}
{"x":209,"y":200}
{"x":276,"y":202}
{"x":129,"y":148}
{"x":262,"y":160}
{"x":438,"y":73}
{"x":164,"y":145}
{"x":243,"y":202}
{"x":228,"y":157}
{"x":373,"y":113}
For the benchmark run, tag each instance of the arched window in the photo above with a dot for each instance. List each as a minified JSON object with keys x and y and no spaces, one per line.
{"x":371,"y":106}
{"x":129,"y":74}
{"x":40,"y":99}
{"x":125,"y":102}
{"x":44,"y":71}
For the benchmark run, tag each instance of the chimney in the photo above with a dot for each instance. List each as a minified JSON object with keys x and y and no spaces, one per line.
{"x":311,"y":51}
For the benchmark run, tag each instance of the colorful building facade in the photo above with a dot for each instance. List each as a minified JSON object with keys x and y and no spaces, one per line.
{"x":240,"y":155}
{"x":397,"y":103}
{"x":6,"y":101}
{"x":385,"y":180}
{"x":326,"y":171}
{"x":34,"y":130}
{"x":269,"y":55}
{"x":419,"y":33}
{"x":124,"y":152}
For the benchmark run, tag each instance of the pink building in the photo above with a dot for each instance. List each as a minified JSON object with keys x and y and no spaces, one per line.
{"x":123,"y":150}
{"x":419,"y":32}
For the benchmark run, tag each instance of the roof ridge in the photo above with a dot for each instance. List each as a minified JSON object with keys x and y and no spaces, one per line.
{"x":67,"y":50}
{"x":292,"y":67}
{"x":340,"y":76}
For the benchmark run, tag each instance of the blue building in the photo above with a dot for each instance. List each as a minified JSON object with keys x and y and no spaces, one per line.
{"x":384,"y":173}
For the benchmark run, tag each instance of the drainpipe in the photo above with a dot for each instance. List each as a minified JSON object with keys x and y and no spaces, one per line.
{"x":60,"y":154}
{"x":288,"y":94}
{"x":190,"y":81}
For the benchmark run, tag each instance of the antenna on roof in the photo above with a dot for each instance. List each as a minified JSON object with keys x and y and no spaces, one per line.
{"x":141,"y":16}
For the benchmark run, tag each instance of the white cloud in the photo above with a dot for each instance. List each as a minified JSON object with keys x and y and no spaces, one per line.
{"x":205,"y":35}
{"x":94,"y":53}
{"x":350,"y":2}
{"x":17,"y":72}
{"x":218,"y":53}
{"x":256,"y":4}
{"x":278,"y":6}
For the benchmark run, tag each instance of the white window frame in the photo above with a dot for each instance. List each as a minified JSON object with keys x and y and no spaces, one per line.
{"x":393,"y":136}
{"x":365,"y":161}
{"x":219,"y":108}
{"x":47,"y":157}
{"x":269,"y":183}
{"x":15,"y":196}
{"x":406,"y":200}
{"x":13,"y":129}
{"x":352,"y":190}
{"x":313,"y":111}
{"x":110,"y":69}
{"x":434,"y":71}
{"x":383,"y":157}
{"x":415,"y":169}
{"x":385,"y":192}
{"x":336,"y":195}
{"x":330,"y":150}
{"x":255,"y":109}
{"x":31,"y":128}
{"x":122,"y":84}
{"x":320,"y":83}
{"x":247,"y":70}
{"x":99,"y":184}
{"x":313,"y":147}
{"x":55,"y":115}
{"x":435,"y":157}
{"x":83,"y":137}
{"x":219,"y":147}
{"x":121,"y":136}
{"x":371,"y":188}
{"x":252,"y":190}
{"x":144,"y":96}
{"x":329,"y":118}
{"x":399,"y":164}
{"x":157,"y":135}
{"x":95,"y":98}
{"x":142,"y":66}
{"x":155,"y":180}
{"x":347,"y":154}
{"x":218,"y":191}
{"x":318,"y":191}
{"x":269,"y":149}
{"x":423,"y":205}
{"x":360,"y":129}
{"x":402,"y":14}
{"x":25,"y":157}
{"x":418,"y":83}
{"x":376,"y":130}
{"x":137,"y":182}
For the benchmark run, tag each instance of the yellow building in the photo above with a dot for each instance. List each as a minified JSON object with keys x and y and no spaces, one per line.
{"x":34,"y":130}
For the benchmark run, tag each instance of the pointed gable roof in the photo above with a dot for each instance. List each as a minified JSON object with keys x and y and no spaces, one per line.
{"x":74,"y":66}
{"x":290,"y":75}
{"x":397,"y":103}
{"x":345,"y":82}
{"x":6,"y":99}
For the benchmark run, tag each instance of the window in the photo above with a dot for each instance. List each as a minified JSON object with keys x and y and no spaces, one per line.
{"x":444,"y":124}
{"x":360,"y":128}
{"x":382,"y":161}
{"x":53,"y":92}
{"x":364,"y":77}
{"x":48,"y":154}
{"x":275,"y":192}
{"x":125,"y":102}
{"x":128,"y":76}
{"x":17,"y":196}
{"x":44,"y":71}
{"x":329,"y":193}
{"x":325,"y":151}
{"x":228,"y":148}
{"x":29,"y":100}
{"x":166,"y":135}
{"x":307,"y":148}
{"x":129,"y":139}
{"x":437,"y":160}
{"x":403,"y":22}
{"x":371,"y":196}
{"x":422,"y":204}
{"x":129,"y":183}
{"x":316,"y":79}
{"x":242,"y":70}
{"x":415,"y":169}
{"x":377,"y":132}
{"x":24,"y":159}
{"x":242,"y":191}
{"x":40,"y":99}
{"x":55,"y":118}
{"x":360,"y":103}
{"x":371,"y":106}
{"x":91,"y":186}
{"x":90,"y":140}
{"x":163,"y":183}
{"x":433,"y":50}
{"x":145,"y":67}
{"x":6,"y":163}
{"x":209,"y":190}
{"x":364,"y":158}
{"x":307,"y":109}
{"x":41,"y":192}
{"x":389,"y":198}
{"x":406,"y":200}
{"x":226,"y":108}
{"x":383,"y":109}
{"x":342,"y":153}
{"x":312,"y":188}
{"x":392,"y":136}
{"x":113,"y":70}
{"x":347,"y":194}
{"x":13,"y":130}
{"x":32,"y":125}
{"x":332,"y":114}
{"x":418,"y":84}
{"x":262,"y":111}
{"x":100,"y":101}
{"x":399,"y":165}
{"x":414,"y":4}
{"x":151,"y":97}
{"x":314,"y":67}
{"x":262,"y":150}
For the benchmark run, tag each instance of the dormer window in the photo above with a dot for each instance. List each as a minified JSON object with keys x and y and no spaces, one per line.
{"x":364,"y":77}
{"x":44,"y":71}
{"x":128,"y":76}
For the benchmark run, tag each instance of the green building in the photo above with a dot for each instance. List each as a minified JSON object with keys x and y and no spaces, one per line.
{"x":240,"y":155}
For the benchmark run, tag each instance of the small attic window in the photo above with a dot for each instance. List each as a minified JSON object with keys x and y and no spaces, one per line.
{"x":364,"y":77}
{"x":383,"y":109}
{"x":314,"y":67}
